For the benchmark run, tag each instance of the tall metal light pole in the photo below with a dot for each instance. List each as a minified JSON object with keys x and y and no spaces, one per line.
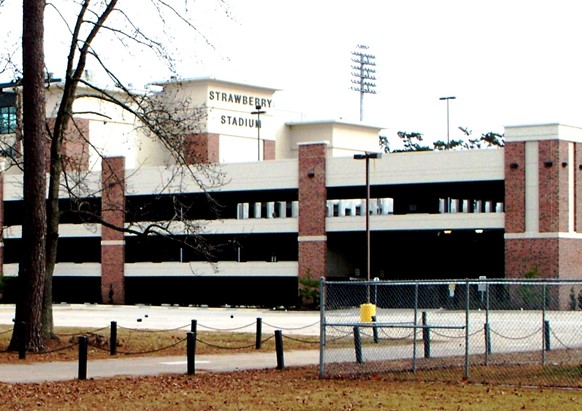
{"x":258,"y":112}
{"x":367,"y":156}
{"x":447,"y":99}
{"x":364,"y":75}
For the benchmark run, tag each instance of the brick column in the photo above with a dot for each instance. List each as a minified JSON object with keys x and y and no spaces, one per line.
{"x":543,"y":195}
{"x":578,"y":187}
{"x":312,"y":209}
{"x":75,"y":149}
{"x":201,"y":148}
{"x":269,"y":150}
{"x":113,"y":241}
{"x":515,"y":187}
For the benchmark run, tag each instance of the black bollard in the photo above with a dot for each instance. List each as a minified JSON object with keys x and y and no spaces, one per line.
{"x":425,"y":336}
{"x":191,"y":352}
{"x":358,"y":345}
{"x":375,"y":330}
{"x":113,"y":338}
{"x":279,"y":348}
{"x":193,"y":326}
{"x":21,"y":330}
{"x":487,"y":329}
{"x":259,"y":336}
{"x":547,"y":339}
{"x":83,"y":344}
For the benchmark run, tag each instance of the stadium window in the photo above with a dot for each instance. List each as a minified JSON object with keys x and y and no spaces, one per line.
{"x":7,"y":120}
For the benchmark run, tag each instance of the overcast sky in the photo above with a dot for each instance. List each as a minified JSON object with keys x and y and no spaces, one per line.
{"x":507,"y":62}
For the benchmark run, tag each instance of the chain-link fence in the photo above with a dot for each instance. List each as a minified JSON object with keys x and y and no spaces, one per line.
{"x":454,"y":329}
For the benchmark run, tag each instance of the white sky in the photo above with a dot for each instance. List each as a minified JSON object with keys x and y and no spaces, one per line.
{"x":508,"y":62}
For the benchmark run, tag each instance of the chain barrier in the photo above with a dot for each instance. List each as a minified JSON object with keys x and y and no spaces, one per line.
{"x":557,"y":338}
{"x":103,"y":344}
{"x":456,"y":337}
{"x":97,"y":346}
{"x":65,"y":347}
{"x":526,"y":337}
{"x":155,"y":350}
{"x":291,"y":328}
{"x":82,"y":332}
{"x":228,"y":348}
{"x":403,"y":338}
{"x":227,"y":329}
{"x":300,"y":340}
{"x":146,"y":330}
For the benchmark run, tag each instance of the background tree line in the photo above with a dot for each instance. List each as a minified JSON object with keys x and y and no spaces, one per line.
{"x":413,"y":141}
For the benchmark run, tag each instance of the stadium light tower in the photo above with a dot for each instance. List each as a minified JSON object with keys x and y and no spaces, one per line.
{"x":363,"y":64}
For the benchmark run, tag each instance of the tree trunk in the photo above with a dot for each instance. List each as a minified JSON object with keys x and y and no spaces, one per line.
{"x":32,"y":267}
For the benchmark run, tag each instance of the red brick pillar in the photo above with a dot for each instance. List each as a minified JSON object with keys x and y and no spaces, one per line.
{"x":113,"y":241}
{"x":543,"y":198}
{"x":201,"y":148}
{"x":269,"y":147}
{"x":312,"y":210}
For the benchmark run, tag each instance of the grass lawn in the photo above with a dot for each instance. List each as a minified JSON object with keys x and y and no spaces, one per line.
{"x":294,"y":388}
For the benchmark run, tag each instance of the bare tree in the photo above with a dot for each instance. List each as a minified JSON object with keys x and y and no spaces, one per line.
{"x":32,"y":268}
{"x":167,"y":122}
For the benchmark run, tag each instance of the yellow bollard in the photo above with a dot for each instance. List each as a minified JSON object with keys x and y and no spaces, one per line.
{"x":367,"y":311}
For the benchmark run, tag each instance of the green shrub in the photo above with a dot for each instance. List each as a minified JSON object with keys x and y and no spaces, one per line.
{"x":532,"y":295}
{"x":308,"y":291}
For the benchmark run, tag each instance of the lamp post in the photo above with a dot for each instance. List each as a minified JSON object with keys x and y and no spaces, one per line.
{"x":258,"y":112}
{"x":447,"y":99}
{"x":367,"y":156}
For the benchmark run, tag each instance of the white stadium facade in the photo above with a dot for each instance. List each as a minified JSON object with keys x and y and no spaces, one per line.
{"x":292,"y":204}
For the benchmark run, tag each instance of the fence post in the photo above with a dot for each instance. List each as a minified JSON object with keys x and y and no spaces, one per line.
{"x":358,"y":345}
{"x":414,"y":341}
{"x":279,"y":348}
{"x":425,"y":336}
{"x":322,"y":327}
{"x":21,"y":330}
{"x":113,"y":338}
{"x":190,"y":352}
{"x":83,"y":343}
{"x":467,"y":323}
{"x":544,"y":326}
{"x":487,"y":326}
{"x":375,"y":330}
{"x":193,"y":325}
{"x":259,"y":335}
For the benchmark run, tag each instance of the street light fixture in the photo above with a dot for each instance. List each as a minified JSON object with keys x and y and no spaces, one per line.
{"x":367,"y":156}
{"x":258,"y":112}
{"x":447,"y":99}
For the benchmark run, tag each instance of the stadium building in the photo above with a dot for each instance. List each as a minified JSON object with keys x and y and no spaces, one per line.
{"x":293,"y":204}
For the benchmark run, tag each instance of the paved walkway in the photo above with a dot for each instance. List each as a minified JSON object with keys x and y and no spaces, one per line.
{"x":142,"y":366}
{"x":165,"y":318}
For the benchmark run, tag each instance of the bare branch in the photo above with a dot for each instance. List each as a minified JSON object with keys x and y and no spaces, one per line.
{"x":179,"y":15}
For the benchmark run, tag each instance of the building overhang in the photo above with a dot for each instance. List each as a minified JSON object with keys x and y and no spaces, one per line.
{"x":212,"y":80}
{"x":541,"y":132}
